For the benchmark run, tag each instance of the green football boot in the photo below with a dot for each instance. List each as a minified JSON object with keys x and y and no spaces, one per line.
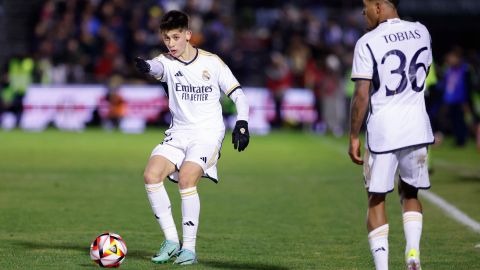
{"x":185,"y":257}
{"x":166,"y":252}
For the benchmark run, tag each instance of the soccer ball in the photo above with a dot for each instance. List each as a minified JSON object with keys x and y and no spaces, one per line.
{"x":108,"y":250}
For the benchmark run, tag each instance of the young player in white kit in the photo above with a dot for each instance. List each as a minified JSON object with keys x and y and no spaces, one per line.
{"x":390,"y":66}
{"x":191,"y":148}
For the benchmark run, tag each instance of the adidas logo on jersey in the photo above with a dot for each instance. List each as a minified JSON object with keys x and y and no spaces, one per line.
{"x":179,"y":74}
{"x":204,"y":159}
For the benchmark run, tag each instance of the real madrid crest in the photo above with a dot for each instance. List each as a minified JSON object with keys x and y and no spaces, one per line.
{"x":205,"y":75}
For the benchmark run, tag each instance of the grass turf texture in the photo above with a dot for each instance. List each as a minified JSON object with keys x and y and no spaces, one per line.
{"x":291,"y":201}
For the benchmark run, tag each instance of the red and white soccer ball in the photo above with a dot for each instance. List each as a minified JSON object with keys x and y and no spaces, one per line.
{"x":108,"y":250}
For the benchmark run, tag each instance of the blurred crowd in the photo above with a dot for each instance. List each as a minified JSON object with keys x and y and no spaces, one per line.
{"x":289,"y":46}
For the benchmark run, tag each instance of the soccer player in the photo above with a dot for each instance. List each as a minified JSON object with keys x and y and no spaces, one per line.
{"x":390,"y":65}
{"x":191,"y":148}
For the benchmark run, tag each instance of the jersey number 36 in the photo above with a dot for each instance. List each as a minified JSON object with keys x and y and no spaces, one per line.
{"x":412,"y":71}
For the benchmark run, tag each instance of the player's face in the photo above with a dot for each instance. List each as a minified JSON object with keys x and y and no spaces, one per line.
{"x":176,"y":41}
{"x":371,"y":11}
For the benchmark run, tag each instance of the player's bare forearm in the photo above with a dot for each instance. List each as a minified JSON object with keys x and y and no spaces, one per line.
{"x":358,"y":107}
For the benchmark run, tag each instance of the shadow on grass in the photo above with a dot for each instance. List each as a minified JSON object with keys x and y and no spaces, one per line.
{"x":241,"y":265}
{"x":48,"y":245}
{"x":141,"y":255}
{"x":474,"y":177}
{"x":30,"y":245}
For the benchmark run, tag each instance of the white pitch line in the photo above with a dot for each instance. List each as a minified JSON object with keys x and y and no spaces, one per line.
{"x":448,"y":208}
{"x":451,"y":210}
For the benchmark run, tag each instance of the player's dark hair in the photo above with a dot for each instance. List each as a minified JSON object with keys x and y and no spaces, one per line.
{"x":174,"y":20}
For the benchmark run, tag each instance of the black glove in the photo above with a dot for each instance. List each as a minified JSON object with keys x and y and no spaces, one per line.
{"x":240,"y":135}
{"x":142,"y":65}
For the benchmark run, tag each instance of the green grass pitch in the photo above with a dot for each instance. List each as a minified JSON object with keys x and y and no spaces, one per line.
{"x":290,"y":201}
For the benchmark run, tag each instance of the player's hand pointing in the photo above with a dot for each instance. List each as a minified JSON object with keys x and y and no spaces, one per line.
{"x":142,"y":65}
{"x":240,"y":135}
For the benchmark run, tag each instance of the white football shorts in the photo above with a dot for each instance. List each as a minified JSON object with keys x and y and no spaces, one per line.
{"x":379,"y":169}
{"x":204,"y":150}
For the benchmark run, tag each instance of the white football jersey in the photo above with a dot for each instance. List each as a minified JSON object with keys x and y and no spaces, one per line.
{"x":194,"y":91}
{"x":396,"y":57}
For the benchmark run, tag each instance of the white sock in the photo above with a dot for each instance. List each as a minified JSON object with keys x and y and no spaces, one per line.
{"x":158,"y":197}
{"x":378,"y":240}
{"x":190,"y":216}
{"x":412,"y":227}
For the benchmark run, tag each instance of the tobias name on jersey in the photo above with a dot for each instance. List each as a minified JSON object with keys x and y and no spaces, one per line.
{"x":401,"y":36}
{"x":193,"y":93}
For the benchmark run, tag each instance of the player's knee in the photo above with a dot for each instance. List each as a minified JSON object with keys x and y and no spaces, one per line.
{"x":184,"y":183}
{"x":185,"y":180}
{"x":375,"y":199}
{"x":406,"y":191}
{"x":150,"y":177}
{"x":189,"y":175}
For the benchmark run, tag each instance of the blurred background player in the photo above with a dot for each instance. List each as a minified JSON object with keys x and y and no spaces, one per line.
{"x":457,"y":87}
{"x":192,"y":144}
{"x":117,"y":106}
{"x":279,"y":79}
{"x":390,"y":67}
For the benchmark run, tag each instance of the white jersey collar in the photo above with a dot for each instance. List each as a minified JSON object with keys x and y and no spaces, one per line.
{"x":189,"y":62}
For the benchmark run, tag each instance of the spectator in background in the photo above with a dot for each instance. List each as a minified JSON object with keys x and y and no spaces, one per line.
{"x":105,"y":65}
{"x":473,"y":58}
{"x":351,"y":32}
{"x":298,"y":55}
{"x":3,"y":87}
{"x":333,"y":33}
{"x":279,"y":79}
{"x":20,"y":76}
{"x":313,"y":77}
{"x":433,"y":100}
{"x":333,"y":96}
{"x":456,"y":85}
{"x":313,"y":29}
{"x":433,"y":104}
{"x":117,"y":106}
{"x":76,"y":73}
{"x":349,"y":85}
{"x":81,"y":34}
